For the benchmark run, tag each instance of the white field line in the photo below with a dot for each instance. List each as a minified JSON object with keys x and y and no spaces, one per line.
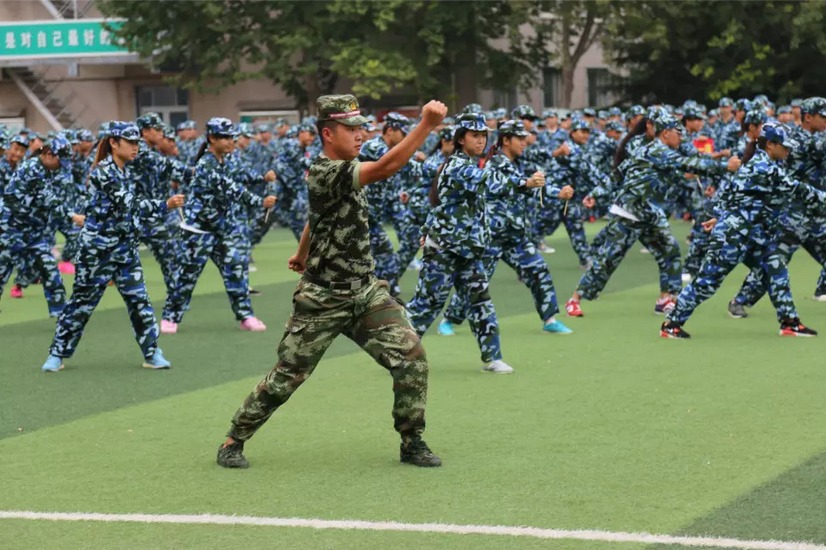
{"x":447,"y":528}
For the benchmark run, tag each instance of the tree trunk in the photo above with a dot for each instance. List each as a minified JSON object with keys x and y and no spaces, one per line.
{"x":567,"y":73}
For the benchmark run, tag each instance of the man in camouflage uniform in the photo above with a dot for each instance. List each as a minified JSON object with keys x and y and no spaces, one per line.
{"x":339,"y":293}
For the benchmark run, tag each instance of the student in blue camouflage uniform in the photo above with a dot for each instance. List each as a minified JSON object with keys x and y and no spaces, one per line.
{"x":727,"y":130}
{"x":456,"y":238}
{"x":648,"y":174}
{"x":31,"y":206}
{"x":554,"y":135}
{"x":155,"y":176}
{"x":799,"y":227}
{"x":338,"y":293}
{"x":510,"y":241}
{"x":212,"y":195}
{"x":188,"y":141}
{"x":291,"y":167}
{"x":574,"y":169}
{"x":109,"y":251}
{"x":747,"y":232}
{"x":14,"y":153}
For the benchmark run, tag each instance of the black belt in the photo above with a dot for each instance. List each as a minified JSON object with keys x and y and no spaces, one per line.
{"x":355,"y":284}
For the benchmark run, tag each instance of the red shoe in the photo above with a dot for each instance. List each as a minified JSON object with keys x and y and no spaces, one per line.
{"x":572,"y":308}
{"x":793,"y":327}
{"x":66,"y":268}
{"x":16,"y":292}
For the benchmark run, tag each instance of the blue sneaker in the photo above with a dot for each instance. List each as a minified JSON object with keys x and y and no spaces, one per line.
{"x":446,"y":328}
{"x":52,"y":364}
{"x":158,"y":361}
{"x":556,"y":327}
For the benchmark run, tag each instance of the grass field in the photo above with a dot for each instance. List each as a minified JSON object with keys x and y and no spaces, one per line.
{"x":610,"y":429}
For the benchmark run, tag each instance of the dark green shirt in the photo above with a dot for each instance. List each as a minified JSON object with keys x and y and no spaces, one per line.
{"x":339,"y":231}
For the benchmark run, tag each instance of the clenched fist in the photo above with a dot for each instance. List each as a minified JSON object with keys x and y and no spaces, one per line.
{"x":269,"y":201}
{"x":433,"y":113}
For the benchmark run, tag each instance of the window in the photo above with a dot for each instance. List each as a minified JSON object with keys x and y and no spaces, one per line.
{"x":551,"y":87}
{"x":169,"y":102}
{"x":599,"y":88}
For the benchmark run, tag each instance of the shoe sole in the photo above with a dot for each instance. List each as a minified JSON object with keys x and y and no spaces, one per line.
{"x":669,"y":336}
{"x":53,"y":370}
{"x":797,"y":334}
{"x":153,"y":367}
{"x":234,"y":466}
{"x":498,"y":371}
{"x":733,"y":316}
{"x":439,"y":465}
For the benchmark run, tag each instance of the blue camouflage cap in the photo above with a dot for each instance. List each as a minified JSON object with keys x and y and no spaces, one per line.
{"x":523,"y":112}
{"x":472,"y":121}
{"x":602,"y":115}
{"x":447,"y":132}
{"x":472,"y":108}
{"x":588,"y":111}
{"x":580,"y":124}
{"x":123,"y":130}
{"x":71,"y":135}
{"x":168,"y":132}
{"x":489,"y":115}
{"x":59,"y":146}
{"x":85,"y":135}
{"x":22,"y":139}
{"x":725,"y":102}
{"x":633,"y":111}
{"x":262,"y":127}
{"x":796,"y":102}
{"x":713,"y":112}
{"x":742,"y":104}
{"x":103,"y":129}
{"x":500,"y":113}
{"x":814,"y":106}
{"x":397,"y":121}
{"x":187,"y":125}
{"x":246,"y":129}
{"x":784,"y":110}
{"x":219,"y":126}
{"x":762,"y":99}
{"x":549,"y":113}
{"x":513,"y":128}
{"x":614,"y":111}
{"x":150,"y":120}
{"x":615,"y":126}
{"x":693,"y":112}
{"x":755,"y":116}
{"x":664,"y":120}
{"x":777,"y":133}
{"x":307,"y":128}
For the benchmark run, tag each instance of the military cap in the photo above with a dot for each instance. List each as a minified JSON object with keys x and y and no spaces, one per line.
{"x":588,"y":111}
{"x":123,"y":130}
{"x":397,"y":121}
{"x":693,"y":112}
{"x":797,"y":102}
{"x":307,"y":128}
{"x":168,"y":131}
{"x":523,"y":112}
{"x":814,"y":106}
{"x":219,"y":126}
{"x":262,"y":127}
{"x":549,"y":113}
{"x":513,"y":128}
{"x":634,"y":110}
{"x":777,"y":133}
{"x":71,"y":135}
{"x":187,"y":125}
{"x":580,"y":124}
{"x":614,"y":126}
{"x":742,"y":104}
{"x":725,"y":102}
{"x":22,"y":139}
{"x":500,"y":113}
{"x":665,"y":121}
{"x":59,"y":146}
{"x":150,"y":120}
{"x":602,"y":115}
{"x":472,"y":108}
{"x":755,"y":116}
{"x":614,"y":111}
{"x":472,"y":121}
{"x":761,"y":99}
{"x":246,"y":129}
{"x":784,"y":109}
{"x":713,"y":112}
{"x":447,"y":132}
{"x":340,"y":108}
{"x":85,"y":135}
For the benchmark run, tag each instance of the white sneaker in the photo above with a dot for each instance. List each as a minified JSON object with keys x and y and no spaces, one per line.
{"x":820,"y":297}
{"x":498,"y":367}
{"x":644,"y":250}
{"x":687,"y":278}
{"x":253,"y":269}
{"x":415,"y":265}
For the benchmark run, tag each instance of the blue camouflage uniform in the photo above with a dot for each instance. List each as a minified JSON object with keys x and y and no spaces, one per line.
{"x":291,"y":168}
{"x":211,"y":199}
{"x":457,"y":235}
{"x":31,"y":208}
{"x":747,"y":231}
{"x":108,"y":251}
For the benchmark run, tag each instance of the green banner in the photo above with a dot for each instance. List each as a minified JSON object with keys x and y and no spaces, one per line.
{"x":56,"y":39}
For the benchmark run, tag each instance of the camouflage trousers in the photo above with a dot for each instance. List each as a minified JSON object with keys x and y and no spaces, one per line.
{"x":94,"y":270}
{"x":230,"y":254}
{"x":26,"y":272}
{"x":728,"y":247}
{"x":821,"y":283}
{"x":36,"y":253}
{"x":798,"y":231}
{"x":371,"y":318}
{"x":443,"y":270}
{"x":71,"y":247}
{"x":387,"y":261}
{"x":408,"y":232}
{"x":620,"y":235}
{"x":165,"y":245}
{"x":551,"y":216}
{"x":522,"y":257}
{"x":696,"y":250}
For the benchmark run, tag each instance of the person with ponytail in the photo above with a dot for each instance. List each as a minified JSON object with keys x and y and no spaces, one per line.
{"x":638,"y":213}
{"x":212,"y":195}
{"x":108,"y":250}
{"x":510,"y":241}
{"x":746,"y":231}
{"x":31,"y":206}
{"x":457,"y":235}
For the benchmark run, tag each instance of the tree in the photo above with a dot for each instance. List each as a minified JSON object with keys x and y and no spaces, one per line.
{"x":434,"y":49}
{"x":701,"y":49}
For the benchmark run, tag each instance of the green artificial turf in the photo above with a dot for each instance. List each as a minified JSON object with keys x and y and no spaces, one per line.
{"x":610,"y":428}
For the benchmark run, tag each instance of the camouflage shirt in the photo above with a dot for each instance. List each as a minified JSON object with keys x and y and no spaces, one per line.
{"x":339,"y":230}
{"x":31,"y":200}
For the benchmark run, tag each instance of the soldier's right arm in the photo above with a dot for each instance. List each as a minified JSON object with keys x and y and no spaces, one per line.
{"x":397,"y":157}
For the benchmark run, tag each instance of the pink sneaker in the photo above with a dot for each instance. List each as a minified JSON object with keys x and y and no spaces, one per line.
{"x":16,"y":292}
{"x":66,"y":268}
{"x":253,"y":324}
{"x":168,"y":327}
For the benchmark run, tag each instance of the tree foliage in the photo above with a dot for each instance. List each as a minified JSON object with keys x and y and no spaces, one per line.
{"x":702,"y":49}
